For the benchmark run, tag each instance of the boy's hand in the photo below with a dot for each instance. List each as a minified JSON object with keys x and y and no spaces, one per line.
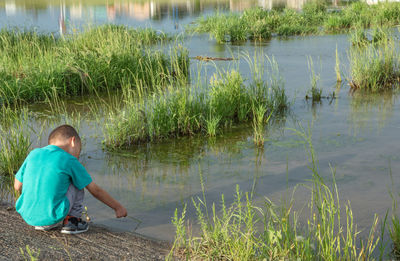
{"x":121,"y":212}
{"x":104,"y":197}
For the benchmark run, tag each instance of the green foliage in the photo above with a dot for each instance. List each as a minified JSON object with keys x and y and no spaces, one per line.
{"x":29,"y":254}
{"x":259,"y":24}
{"x":15,"y":142}
{"x":245,"y":230}
{"x":259,"y":122}
{"x":315,"y":92}
{"x":375,"y":67}
{"x":186,"y":111}
{"x":35,"y":66}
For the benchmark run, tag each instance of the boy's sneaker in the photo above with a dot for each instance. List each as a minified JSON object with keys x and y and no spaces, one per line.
{"x":46,"y":228}
{"x":73,"y":225}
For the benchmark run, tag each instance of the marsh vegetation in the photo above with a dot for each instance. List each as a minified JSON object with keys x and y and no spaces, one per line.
{"x":146,"y":94}
{"x":227,"y":100}
{"x":315,"y":18}
{"x":374,"y":64}
{"x":250,"y":230}
{"x":35,"y":67}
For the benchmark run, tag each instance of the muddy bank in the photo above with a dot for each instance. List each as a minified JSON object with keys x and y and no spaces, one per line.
{"x":96,"y":244}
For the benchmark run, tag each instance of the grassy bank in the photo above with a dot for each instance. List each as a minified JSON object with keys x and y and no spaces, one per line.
{"x":227,"y":100}
{"x":315,"y":18}
{"x":245,"y":230}
{"x":34,"y":67}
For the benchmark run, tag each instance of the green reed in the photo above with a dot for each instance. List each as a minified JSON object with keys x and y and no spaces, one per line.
{"x":259,"y":24}
{"x":315,"y":93}
{"x":259,"y":122}
{"x":33,"y":65}
{"x":15,"y":144}
{"x":375,"y":67}
{"x":245,"y":230}
{"x":337,"y":67}
{"x":188,"y":110}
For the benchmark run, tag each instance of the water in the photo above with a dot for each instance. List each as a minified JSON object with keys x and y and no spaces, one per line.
{"x":353,"y":133}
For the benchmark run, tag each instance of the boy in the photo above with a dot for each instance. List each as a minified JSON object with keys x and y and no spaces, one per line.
{"x":52,"y":181}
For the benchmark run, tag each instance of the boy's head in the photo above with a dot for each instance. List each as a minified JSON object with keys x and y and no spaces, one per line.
{"x":67,"y":138}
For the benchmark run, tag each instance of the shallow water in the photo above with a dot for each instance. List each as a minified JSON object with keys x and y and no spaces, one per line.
{"x":356,"y":134}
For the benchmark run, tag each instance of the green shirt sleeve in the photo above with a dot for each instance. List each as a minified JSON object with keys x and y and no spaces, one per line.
{"x":80,"y":177}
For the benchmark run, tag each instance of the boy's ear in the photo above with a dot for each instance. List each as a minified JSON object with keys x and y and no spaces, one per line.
{"x":73,"y":141}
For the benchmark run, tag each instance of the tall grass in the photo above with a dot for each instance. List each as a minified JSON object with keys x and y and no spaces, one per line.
{"x":315,"y":93}
{"x":337,"y":67}
{"x":375,"y":67}
{"x":259,"y":122}
{"x":245,"y":230}
{"x":259,"y":24}
{"x":15,"y":144}
{"x":33,"y":65}
{"x":184,"y":111}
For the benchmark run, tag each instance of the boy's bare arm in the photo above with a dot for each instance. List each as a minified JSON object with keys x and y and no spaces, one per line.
{"x":104,"y":197}
{"x":17,"y":185}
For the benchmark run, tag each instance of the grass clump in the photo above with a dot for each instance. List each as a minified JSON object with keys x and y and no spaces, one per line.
{"x":245,"y":230}
{"x":259,"y":122}
{"x":34,"y":66}
{"x":375,"y":67}
{"x":260,"y":24}
{"x":315,"y":93}
{"x":186,"y":111}
{"x":337,"y":68}
{"x":15,"y":144}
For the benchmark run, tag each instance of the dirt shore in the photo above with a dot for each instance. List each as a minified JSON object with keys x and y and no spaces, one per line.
{"x":96,"y":244}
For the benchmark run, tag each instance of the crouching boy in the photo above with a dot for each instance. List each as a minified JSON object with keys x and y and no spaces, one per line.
{"x":52,"y":181}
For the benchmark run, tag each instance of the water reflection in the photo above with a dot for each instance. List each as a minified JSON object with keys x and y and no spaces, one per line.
{"x":45,"y":14}
{"x":370,"y":110}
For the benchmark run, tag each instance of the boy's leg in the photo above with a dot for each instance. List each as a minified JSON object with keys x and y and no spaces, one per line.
{"x":73,"y":224}
{"x":75,"y":197}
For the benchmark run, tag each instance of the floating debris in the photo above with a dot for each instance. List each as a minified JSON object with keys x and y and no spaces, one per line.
{"x":207,"y":58}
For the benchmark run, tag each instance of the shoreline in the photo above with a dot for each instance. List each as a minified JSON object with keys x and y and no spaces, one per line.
{"x":98,"y":243}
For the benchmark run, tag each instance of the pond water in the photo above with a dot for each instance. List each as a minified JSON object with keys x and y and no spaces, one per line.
{"x":353,"y":133}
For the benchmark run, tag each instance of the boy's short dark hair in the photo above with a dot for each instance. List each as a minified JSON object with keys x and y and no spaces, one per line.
{"x":63,"y":132}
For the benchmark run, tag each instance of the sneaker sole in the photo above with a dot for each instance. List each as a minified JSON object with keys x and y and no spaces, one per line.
{"x":74,"y":232}
{"x":46,"y":228}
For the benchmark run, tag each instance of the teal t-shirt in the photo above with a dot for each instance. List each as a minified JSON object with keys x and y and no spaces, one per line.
{"x":45,"y":176}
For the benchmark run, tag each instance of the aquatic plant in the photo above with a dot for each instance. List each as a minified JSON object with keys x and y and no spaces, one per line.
{"x":184,"y":111}
{"x":258,"y":125}
{"x":337,"y":68}
{"x":375,"y":67}
{"x":259,"y":122}
{"x":260,"y":24}
{"x":315,"y":93}
{"x":245,"y":230}
{"x":394,"y":232}
{"x":212,"y":126}
{"x":98,"y":59}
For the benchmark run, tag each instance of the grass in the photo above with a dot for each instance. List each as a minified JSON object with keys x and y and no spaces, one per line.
{"x":259,"y":122}
{"x":259,"y":24}
{"x":337,"y":68}
{"x":15,"y":144}
{"x":375,"y":67}
{"x":315,"y":93}
{"x":245,"y":230}
{"x":29,"y":254}
{"x":35,"y":66}
{"x":227,"y":100}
